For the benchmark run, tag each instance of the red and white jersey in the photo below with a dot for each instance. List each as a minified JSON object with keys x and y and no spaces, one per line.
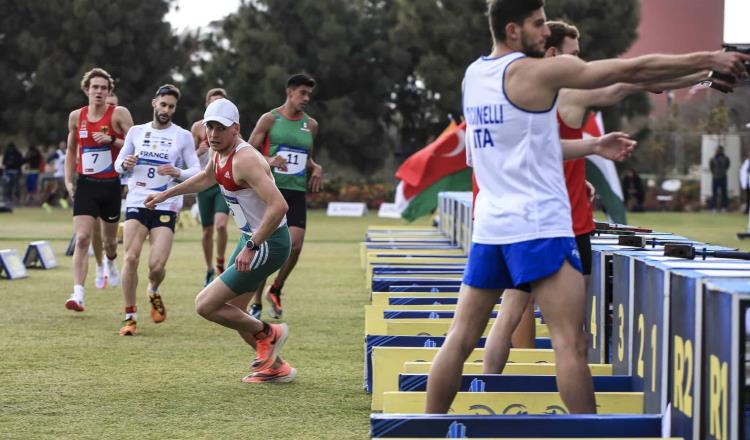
{"x":575,"y":180}
{"x":246,"y":206}
{"x":94,"y":159}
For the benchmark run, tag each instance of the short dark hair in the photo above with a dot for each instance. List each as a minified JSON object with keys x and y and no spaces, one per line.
{"x":502,"y":12}
{"x":558,"y":32}
{"x":300,"y":79}
{"x":168,"y":89}
{"x":216,"y":92}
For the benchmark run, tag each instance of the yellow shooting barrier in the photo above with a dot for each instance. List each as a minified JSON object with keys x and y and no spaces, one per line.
{"x":375,"y":324}
{"x":387,"y":363}
{"x":370,"y":269}
{"x":403,"y":228}
{"x":373,"y":259}
{"x":524,"y":369}
{"x":381,"y":298}
{"x":511,"y":403}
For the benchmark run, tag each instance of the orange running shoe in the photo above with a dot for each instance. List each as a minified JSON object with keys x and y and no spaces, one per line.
{"x":267,"y":349}
{"x":283,"y":374}
{"x":128,"y":327}
{"x":158,"y":311}
{"x":275,"y":311}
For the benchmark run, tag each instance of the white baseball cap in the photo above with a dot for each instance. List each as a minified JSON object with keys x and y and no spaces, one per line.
{"x":222,"y":111}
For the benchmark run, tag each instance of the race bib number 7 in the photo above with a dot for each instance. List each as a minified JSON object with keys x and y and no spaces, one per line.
{"x":96,"y":160}
{"x":296,"y":160}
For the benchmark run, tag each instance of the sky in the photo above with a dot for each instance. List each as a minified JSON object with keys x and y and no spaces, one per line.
{"x":199,"y":13}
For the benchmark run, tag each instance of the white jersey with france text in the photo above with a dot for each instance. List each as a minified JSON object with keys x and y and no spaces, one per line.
{"x":156,"y":147}
{"x":517,"y":161}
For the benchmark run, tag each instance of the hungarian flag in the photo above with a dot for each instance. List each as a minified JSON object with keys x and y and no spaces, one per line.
{"x":440,"y":166}
{"x":602,"y":174}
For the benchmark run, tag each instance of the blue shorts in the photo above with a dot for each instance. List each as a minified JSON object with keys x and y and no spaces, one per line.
{"x":517,"y":265}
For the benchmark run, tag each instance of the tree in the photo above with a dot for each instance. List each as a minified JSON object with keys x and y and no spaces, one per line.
{"x":46,"y":47}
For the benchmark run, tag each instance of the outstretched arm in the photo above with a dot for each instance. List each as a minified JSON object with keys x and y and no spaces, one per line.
{"x":615,"y":146}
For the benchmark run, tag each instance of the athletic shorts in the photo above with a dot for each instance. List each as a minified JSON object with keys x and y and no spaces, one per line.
{"x":152,"y":218}
{"x":268,"y":259}
{"x":517,"y":265}
{"x":97,"y":198}
{"x":297,"y":213}
{"x":211,"y":201}
{"x":584,"y":250}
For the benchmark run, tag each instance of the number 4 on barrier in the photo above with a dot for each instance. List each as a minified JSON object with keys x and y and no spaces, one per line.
{"x":39,"y":254}
{"x":11,"y":266}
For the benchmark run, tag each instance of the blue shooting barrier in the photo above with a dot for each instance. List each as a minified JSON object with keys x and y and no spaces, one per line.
{"x":414,"y":341}
{"x":433,"y":314}
{"x":686,"y":374}
{"x":647,"y":309}
{"x":423,"y":301}
{"x":383,"y":283}
{"x":514,"y":383}
{"x":380,"y":270}
{"x":725,"y":392}
{"x":478,"y":426}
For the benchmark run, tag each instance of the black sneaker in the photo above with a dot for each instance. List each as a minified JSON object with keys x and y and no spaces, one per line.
{"x":209,"y":277}
{"x":274,"y":298}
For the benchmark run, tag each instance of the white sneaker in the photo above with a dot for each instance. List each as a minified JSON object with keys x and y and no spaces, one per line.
{"x":75,"y":303}
{"x":113,"y":275}
{"x":100,"y":281}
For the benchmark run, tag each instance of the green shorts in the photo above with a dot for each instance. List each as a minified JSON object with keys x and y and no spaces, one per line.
{"x":272,"y":254}
{"x":210,"y":201}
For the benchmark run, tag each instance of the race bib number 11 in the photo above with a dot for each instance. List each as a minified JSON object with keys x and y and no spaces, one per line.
{"x":296,"y":160}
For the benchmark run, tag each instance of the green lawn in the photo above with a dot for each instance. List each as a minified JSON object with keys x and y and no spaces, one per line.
{"x":69,"y":375}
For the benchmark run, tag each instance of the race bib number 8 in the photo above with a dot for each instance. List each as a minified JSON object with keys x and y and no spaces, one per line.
{"x":296,"y":160}
{"x":96,"y":160}
{"x":145,"y":176}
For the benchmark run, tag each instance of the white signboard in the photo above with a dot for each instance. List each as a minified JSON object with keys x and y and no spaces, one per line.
{"x":346,"y":209}
{"x":389,"y":210}
{"x":11,"y":265}
{"x":39,"y":254}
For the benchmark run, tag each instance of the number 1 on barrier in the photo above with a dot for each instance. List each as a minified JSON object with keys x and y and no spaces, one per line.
{"x":653,"y":358}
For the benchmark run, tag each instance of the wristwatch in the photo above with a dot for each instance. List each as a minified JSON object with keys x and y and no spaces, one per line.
{"x":251,"y":245}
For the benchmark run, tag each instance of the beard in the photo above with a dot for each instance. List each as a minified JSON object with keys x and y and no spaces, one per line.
{"x":164,"y":120}
{"x":529,"y":48}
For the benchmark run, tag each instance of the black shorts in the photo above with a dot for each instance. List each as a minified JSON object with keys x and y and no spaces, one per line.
{"x":97,"y":198}
{"x":297,"y":214}
{"x":584,"y":249}
{"x":152,"y":218}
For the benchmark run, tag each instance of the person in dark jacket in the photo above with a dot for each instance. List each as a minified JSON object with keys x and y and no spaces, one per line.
{"x":719,"y":166}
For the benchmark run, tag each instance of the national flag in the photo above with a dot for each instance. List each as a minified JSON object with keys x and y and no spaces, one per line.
{"x":440,"y":166}
{"x":602,"y":174}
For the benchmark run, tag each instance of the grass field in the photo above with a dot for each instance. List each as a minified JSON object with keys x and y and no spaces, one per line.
{"x":69,"y":375}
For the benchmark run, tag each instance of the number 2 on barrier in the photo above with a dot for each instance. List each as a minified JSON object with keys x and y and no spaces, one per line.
{"x":683,"y":376}
{"x":639,"y":370}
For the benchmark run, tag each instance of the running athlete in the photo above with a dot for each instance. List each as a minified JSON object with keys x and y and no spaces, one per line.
{"x":286,"y":135}
{"x":95,"y":136}
{"x":258,"y":209}
{"x":572,"y":108}
{"x":521,"y":234}
{"x":211,"y":204}
{"x":153,"y":156}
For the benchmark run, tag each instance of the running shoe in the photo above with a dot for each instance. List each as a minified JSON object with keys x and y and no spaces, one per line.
{"x":275,"y":311}
{"x":158,"y":311}
{"x":113,"y":274}
{"x":209,"y":277}
{"x":256,"y":310}
{"x":267,"y":349}
{"x":75,"y":304}
{"x":100,"y":280}
{"x":128,"y":327}
{"x":219,"y":269}
{"x":283,"y":374}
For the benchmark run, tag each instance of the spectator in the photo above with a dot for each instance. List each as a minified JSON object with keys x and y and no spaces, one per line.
{"x":745,"y":181}
{"x":57,"y":191}
{"x":632,"y":188}
{"x":34,"y":166}
{"x":13,"y":161}
{"x":719,"y":166}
